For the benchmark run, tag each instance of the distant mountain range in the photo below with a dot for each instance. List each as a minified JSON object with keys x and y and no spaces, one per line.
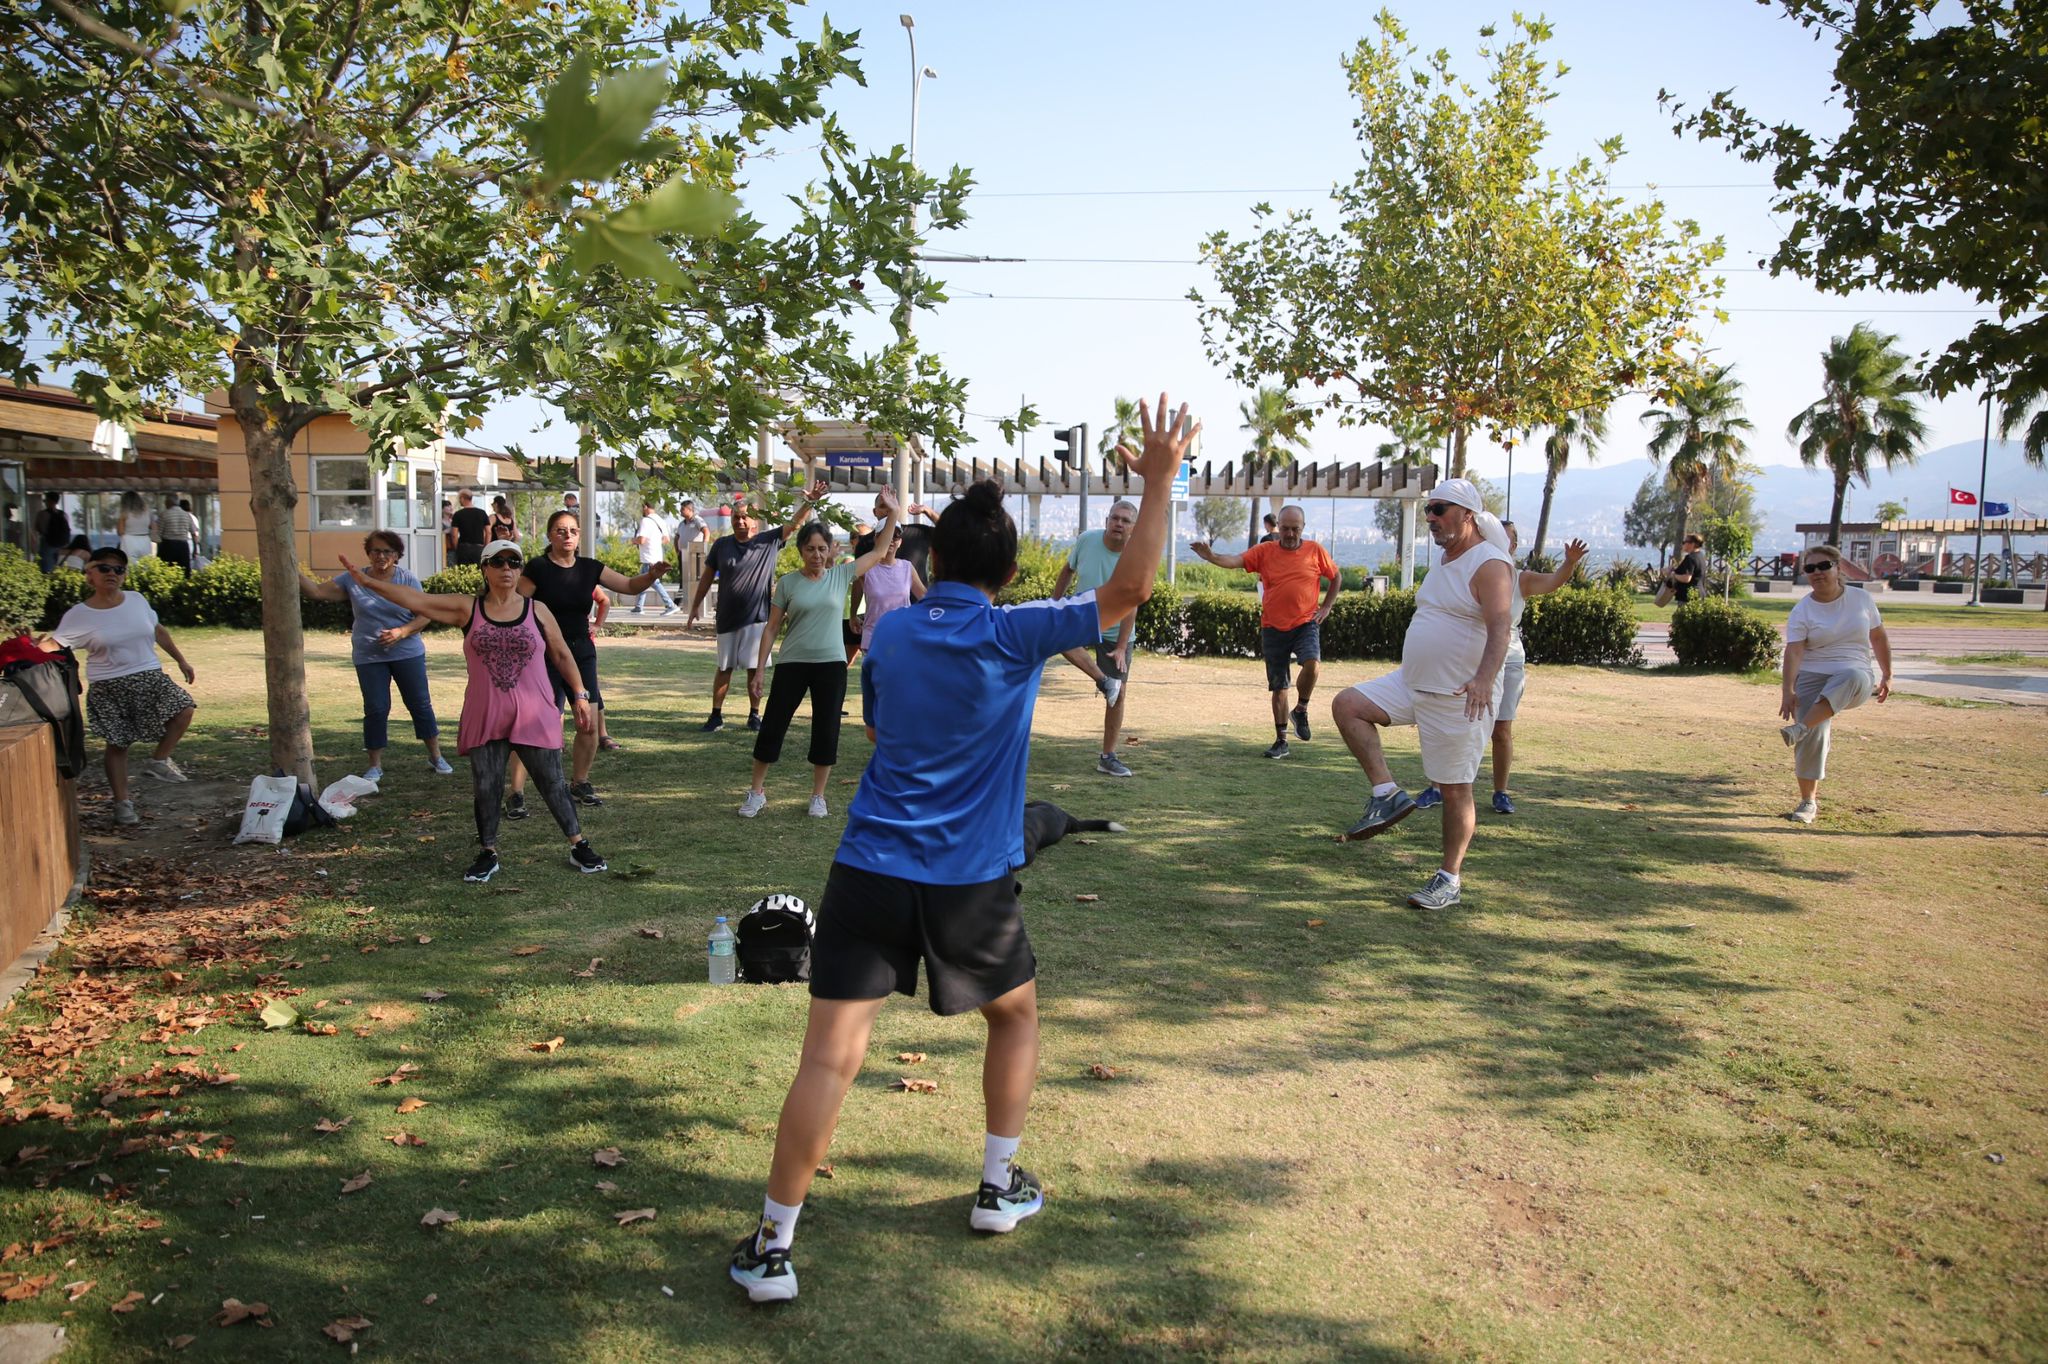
{"x":1591,"y":499}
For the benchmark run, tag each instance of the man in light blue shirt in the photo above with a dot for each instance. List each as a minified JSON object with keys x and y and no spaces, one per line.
{"x":1094,"y":558}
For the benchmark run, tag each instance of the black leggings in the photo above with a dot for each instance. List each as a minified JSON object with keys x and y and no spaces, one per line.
{"x":826,"y":682}
{"x":488,"y":765}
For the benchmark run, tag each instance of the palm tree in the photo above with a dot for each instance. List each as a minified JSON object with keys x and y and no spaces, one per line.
{"x":1275,"y":422}
{"x":1585,"y":428}
{"x":1866,"y":408}
{"x":1414,"y":442}
{"x":1698,"y":431}
{"x":2019,"y":400}
{"x":1124,"y":428}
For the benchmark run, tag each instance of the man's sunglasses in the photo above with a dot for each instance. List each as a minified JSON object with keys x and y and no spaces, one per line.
{"x":1437,"y":508}
{"x":505,"y":561}
{"x":1822,"y":567}
{"x":116,"y":569}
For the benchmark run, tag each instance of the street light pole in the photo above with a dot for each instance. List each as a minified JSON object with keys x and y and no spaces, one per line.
{"x":901,"y":472}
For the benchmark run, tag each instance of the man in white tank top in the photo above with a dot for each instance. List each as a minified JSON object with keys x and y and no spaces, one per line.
{"x":1448,"y":684}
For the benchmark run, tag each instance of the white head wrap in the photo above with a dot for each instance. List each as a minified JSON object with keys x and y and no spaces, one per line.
{"x":1492,"y":531}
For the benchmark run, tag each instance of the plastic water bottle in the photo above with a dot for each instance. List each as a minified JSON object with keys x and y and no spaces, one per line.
{"x":724,"y":964}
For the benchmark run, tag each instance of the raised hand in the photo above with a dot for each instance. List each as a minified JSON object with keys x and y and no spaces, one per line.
{"x":353,"y":571}
{"x":1574,"y":552}
{"x":892,"y":509}
{"x":1166,"y":444}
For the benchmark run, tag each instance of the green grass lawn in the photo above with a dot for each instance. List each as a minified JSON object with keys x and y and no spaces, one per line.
{"x":1680,"y":1080}
{"x":1903,"y":608}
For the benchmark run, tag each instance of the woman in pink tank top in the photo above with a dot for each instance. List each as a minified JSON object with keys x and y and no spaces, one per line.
{"x":509,"y":706}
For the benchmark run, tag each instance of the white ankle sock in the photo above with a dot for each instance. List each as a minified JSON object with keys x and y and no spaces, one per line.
{"x":1451,"y":876}
{"x":997,"y":1153}
{"x":778,"y":1225}
{"x":1385,"y":788}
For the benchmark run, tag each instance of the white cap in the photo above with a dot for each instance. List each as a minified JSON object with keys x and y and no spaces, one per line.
{"x":497,"y":547}
{"x":1459,"y":492}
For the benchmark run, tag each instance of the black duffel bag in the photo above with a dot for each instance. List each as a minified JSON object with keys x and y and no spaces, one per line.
{"x":48,"y":692}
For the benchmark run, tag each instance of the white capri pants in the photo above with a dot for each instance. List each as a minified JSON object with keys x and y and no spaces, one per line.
{"x":739,"y":648}
{"x":1513,"y":676}
{"x":1844,"y":690}
{"x":1451,"y":745}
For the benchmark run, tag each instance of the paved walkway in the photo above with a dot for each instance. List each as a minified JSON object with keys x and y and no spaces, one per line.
{"x":1915,"y":649}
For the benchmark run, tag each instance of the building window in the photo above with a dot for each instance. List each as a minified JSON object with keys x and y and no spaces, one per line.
{"x":341,"y":493}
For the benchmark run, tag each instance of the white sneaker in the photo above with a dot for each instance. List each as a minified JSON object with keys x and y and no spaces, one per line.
{"x":818,"y":810}
{"x":752,"y":805}
{"x":124,"y":812}
{"x":440,"y":765}
{"x":1804,"y":812}
{"x":1792,"y":733}
{"x":164,"y":769}
{"x":373,"y":774}
{"x":1111,"y":688}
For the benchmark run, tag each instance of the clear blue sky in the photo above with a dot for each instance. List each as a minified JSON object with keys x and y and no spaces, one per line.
{"x":1064,"y":111}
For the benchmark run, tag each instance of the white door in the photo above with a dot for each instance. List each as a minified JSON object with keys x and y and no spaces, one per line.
{"x":427,"y":547}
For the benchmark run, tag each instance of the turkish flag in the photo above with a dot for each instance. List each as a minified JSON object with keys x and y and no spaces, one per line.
{"x":1958,"y":498}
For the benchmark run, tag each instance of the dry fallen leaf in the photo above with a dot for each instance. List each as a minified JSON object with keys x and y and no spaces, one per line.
{"x":128,"y":1303}
{"x":332,"y":1124}
{"x":424,"y":938}
{"x":406,"y":1070}
{"x":607,"y":1159}
{"x":234,"y":1310}
{"x":343,"y":1329}
{"x":587,"y":972}
{"x":361,"y":1181}
{"x":180,"y":1342}
{"x":910,"y":1058}
{"x":412,"y":1103}
{"x":439,"y":1217}
{"x":77,"y":1290}
{"x":606,"y":1186}
{"x":524,"y":951}
{"x":652,"y":933}
{"x":825,"y":1170}
{"x":632,"y":1215}
{"x":1313,"y":923}
{"x":405,"y":1139}
{"x":905,"y":1083}
{"x":434,"y":996}
{"x":1086,"y":899}
{"x":321,"y":1029}
{"x":1098,"y":1071}
{"x":553,"y":1044}
{"x":430,"y":1299}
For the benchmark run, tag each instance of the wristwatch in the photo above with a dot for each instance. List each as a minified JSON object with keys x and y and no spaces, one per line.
{"x":582,"y":696}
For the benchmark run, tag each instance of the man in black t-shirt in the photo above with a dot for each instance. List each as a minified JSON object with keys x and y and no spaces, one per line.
{"x":469,"y":527}
{"x":1689,"y":574}
{"x":743,"y":566}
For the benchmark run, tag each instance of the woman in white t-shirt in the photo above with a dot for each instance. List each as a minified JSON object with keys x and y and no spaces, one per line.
{"x":128,"y":698}
{"x":1836,"y":658}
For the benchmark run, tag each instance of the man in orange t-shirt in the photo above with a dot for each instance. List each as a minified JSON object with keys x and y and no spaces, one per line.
{"x":1293,"y":572}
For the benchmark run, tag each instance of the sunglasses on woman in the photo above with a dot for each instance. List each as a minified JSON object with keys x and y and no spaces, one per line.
{"x":1822,"y":567}
{"x":116,"y":569}
{"x":506,"y":561}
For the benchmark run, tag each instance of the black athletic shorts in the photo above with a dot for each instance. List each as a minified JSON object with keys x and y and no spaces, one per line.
{"x":584,"y":651}
{"x":874,"y":929}
{"x":1303,"y":642}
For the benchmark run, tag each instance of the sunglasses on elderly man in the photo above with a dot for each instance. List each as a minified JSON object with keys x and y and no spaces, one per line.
{"x":1438,"y":508}
{"x":505,"y":560}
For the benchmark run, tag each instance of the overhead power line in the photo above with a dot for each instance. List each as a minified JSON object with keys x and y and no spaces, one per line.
{"x":1320,"y":189}
{"x":979,"y":296}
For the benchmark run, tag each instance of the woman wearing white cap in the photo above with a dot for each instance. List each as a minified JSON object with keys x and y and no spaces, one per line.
{"x":1448,"y":683}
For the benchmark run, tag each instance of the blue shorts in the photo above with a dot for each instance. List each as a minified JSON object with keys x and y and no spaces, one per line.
{"x":1304,"y":642}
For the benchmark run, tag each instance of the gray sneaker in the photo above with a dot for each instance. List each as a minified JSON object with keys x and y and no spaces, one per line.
{"x":1440,"y":892}
{"x":1381,"y":814}
{"x":1792,"y":733}
{"x":1111,"y":688}
{"x":164,"y":769}
{"x":1109,"y":766}
{"x":1805,"y":812}
{"x":753,"y":804}
{"x":1279,"y":748}
{"x":124,"y":812}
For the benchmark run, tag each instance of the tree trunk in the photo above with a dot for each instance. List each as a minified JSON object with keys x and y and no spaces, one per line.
{"x":273,"y":498}
{"x":1251,"y":534}
{"x":1835,"y":516}
{"x":1550,"y":474}
{"x":1684,"y":517}
{"x":1458,"y":454}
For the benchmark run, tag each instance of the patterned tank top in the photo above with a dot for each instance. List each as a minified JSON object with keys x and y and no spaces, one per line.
{"x":509,"y":695}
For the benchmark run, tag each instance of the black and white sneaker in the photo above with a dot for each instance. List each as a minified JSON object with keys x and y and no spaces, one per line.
{"x":754,"y":722}
{"x":999,"y":1210}
{"x":716,"y":722}
{"x":484,"y":868}
{"x":1299,"y":715}
{"x":767,"y":1275}
{"x":1279,"y":748}
{"x":515,"y":806}
{"x":585,"y":859}
{"x":583,"y":793}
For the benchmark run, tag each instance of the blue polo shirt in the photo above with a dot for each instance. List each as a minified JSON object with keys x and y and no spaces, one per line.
{"x":951,"y":682}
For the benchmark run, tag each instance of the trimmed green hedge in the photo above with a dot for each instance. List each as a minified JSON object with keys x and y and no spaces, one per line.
{"x":1711,"y":633}
{"x":22,"y":591}
{"x":1589,"y":625}
{"x":1368,"y":625}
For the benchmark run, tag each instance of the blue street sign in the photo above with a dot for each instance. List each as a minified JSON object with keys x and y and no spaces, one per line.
{"x":853,"y":459}
{"x":1180,"y":481}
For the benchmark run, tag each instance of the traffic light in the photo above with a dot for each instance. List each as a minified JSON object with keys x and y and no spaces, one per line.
{"x":1069,"y":445}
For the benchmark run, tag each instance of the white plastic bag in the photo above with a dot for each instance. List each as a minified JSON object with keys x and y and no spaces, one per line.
{"x":340,"y":797}
{"x":270,"y":802}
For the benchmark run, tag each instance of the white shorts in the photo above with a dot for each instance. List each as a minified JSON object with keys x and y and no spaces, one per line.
{"x":1451,"y":745}
{"x":740,"y":648}
{"x":1512,"y":678}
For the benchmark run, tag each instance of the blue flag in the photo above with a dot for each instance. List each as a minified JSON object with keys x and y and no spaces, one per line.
{"x":1998,"y":509}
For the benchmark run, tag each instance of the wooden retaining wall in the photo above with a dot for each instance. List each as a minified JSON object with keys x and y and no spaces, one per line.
{"x":38,"y":833}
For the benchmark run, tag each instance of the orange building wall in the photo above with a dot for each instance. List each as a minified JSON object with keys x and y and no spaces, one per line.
{"x":319,"y":551}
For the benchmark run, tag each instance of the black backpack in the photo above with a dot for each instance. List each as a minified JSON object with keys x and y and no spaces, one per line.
{"x":49,"y":692}
{"x":774,"y":945}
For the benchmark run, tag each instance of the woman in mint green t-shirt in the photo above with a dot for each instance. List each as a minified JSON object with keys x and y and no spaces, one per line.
{"x":812,"y":603}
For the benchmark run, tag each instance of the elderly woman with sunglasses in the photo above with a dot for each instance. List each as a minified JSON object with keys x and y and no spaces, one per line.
{"x":386,"y":648}
{"x":509,"y":706}
{"x":130,"y":700}
{"x":1836,"y":658}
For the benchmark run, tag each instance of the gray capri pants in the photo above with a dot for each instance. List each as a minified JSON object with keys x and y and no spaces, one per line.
{"x":1844,"y":690}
